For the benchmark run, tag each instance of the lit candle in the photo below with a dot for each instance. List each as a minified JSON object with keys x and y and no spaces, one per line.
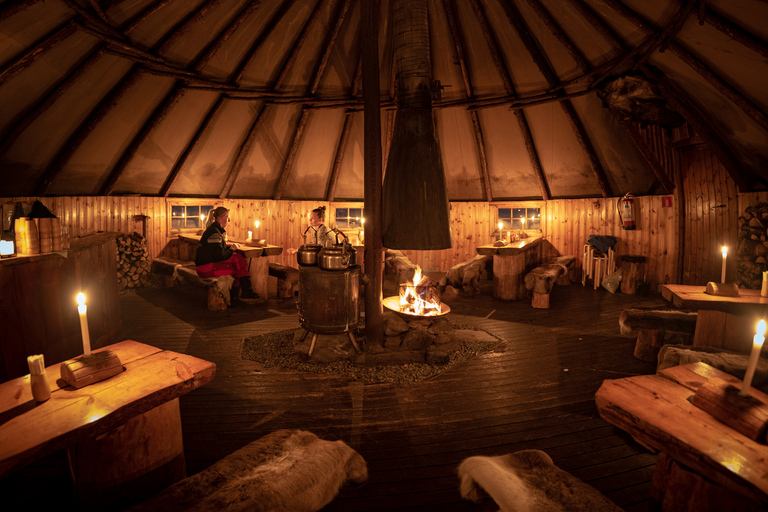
{"x":256,"y":223}
{"x":250,"y":235}
{"x":81,"y":307}
{"x":757,"y":346}
{"x":725,"y":255}
{"x":501,"y":234}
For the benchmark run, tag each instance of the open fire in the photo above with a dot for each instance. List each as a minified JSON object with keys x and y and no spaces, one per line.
{"x":420,"y":296}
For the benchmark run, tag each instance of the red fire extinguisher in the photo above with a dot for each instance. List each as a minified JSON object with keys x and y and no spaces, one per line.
{"x":626,"y":207}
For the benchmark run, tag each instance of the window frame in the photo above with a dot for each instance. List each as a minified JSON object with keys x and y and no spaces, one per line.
{"x":201,"y":203}
{"x":541,"y":205}
{"x":348,"y":205}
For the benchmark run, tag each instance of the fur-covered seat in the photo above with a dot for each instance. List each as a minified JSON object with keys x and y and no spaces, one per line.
{"x":528,"y":481}
{"x":285,"y":471}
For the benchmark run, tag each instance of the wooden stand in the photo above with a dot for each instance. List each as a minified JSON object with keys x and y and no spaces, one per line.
{"x":258,"y":269}
{"x":747,"y":415}
{"x":90,"y":368}
{"x":632,"y":271}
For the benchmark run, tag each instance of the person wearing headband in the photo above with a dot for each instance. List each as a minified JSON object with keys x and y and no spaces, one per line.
{"x":217,"y":258}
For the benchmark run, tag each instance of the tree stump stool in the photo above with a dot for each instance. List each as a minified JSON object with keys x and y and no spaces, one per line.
{"x":632,"y":271}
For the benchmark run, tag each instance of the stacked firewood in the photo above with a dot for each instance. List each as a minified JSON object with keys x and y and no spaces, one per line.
{"x":133,"y":265}
{"x":753,"y":247}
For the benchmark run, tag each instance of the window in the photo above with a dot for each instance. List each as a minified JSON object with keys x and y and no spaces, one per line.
{"x":520,"y":218}
{"x":188,"y":216}
{"x":349,"y":218}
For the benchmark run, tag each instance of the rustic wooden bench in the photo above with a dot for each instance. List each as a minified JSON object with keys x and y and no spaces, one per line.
{"x":287,"y":279}
{"x":544,"y":277}
{"x":177,"y":270}
{"x":652,"y":325}
{"x":466,"y":276}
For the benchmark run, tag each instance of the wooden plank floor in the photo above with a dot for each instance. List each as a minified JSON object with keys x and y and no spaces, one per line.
{"x":536,"y":391}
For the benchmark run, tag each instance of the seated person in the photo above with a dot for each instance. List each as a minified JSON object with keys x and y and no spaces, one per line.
{"x":216,"y":258}
{"x":319,"y":233}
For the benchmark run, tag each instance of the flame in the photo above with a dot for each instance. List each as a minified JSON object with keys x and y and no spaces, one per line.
{"x":411,"y":301}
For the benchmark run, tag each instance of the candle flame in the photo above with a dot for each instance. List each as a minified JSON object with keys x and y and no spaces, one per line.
{"x":501,"y":225}
{"x":760,"y":329}
{"x":80,"y":299}
{"x":256,"y":223}
{"x":202,"y":216}
{"x":725,"y":251}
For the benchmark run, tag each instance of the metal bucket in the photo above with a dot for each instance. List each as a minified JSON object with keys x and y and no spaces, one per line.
{"x":329,"y":300}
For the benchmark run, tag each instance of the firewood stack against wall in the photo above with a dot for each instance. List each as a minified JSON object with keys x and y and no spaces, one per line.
{"x":133,"y":263}
{"x":753,"y":247}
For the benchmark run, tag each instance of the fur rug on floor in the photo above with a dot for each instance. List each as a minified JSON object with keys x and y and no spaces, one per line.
{"x":528,"y":481}
{"x":285,"y":471}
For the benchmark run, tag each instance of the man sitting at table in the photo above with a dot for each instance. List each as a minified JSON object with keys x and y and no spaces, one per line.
{"x":216,"y":258}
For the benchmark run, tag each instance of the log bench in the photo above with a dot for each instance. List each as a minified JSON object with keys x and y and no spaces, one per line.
{"x":466,"y":276}
{"x":177,"y":270}
{"x":287,"y":279}
{"x":544,"y":277}
{"x":652,"y":325}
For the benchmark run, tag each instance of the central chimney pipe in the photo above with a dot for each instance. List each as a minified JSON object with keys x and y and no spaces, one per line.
{"x":416,"y":209}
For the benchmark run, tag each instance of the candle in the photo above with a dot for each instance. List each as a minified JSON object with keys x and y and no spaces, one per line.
{"x":764,"y":289}
{"x":256,"y":223}
{"x":250,"y":234}
{"x":501,"y":233}
{"x":757,"y":345}
{"x":81,"y":308}
{"x":725,"y":255}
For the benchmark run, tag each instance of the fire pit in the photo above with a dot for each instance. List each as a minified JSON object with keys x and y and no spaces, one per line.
{"x":418,"y":298}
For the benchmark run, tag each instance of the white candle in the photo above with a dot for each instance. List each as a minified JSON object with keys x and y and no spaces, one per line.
{"x":764,"y":289}
{"x":757,"y":346}
{"x":256,"y":223}
{"x":250,"y":234}
{"x":725,"y":255}
{"x":81,"y":308}
{"x":501,"y":234}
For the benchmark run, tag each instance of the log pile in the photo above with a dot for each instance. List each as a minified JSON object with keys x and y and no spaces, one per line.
{"x":133,"y":263}
{"x":753,"y":247}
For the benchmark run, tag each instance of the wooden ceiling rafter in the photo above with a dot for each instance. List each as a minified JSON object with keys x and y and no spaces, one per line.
{"x":99,"y":11}
{"x":546,"y":17}
{"x":164,"y":106}
{"x":450,"y":15}
{"x":95,"y":21}
{"x":215,"y":45}
{"x":37,"y":49}
{"x":191,"y":144}
{"x":698,"y":121}
{"x":530,"y":146}
{"x":88,"y":125}
{"x":185,"y":24}
{"x":732,"y":30}
{"x":144,"y":15}
{"x":530,"y":43}
{"x":317,"y":74}
{"x":11,"y":7}
{"x":346,"y":129}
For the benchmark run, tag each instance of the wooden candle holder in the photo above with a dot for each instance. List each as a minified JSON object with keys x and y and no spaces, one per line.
{"x":87,"y":369}
{"x":747,"y":415}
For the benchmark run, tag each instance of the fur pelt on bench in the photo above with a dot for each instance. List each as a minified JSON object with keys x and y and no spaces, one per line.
{"x":285,"y":471}
{"x":528,"y":481}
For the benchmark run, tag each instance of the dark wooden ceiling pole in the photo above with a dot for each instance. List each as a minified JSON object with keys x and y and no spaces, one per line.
{"x":522,"y":121}
{"x":243,"y":151}
{"x":144,"y":15}
{"x":541,"y":62}
{"x":99,"y":11}
{"x":373,"y":195}
{"x":183,"y":26}
{"x":94,"y":20}
{"x":210,"y":50}
{"x":736,"y":32}
{"x":118,"y":43}
{"x":698,"y":121}
{"x":557,"y":31}
{"x":78,"y":136}
{"x":155,"y":118}
{"x":11,"y":7}
{"x":189,"y":147}
{"x":48,"y":100}
{"x":298,"y":135}
{"x":341,"y":147}
{"x":648,"y":153}
{"x":37,"y":49}
{"x":450,"y":15}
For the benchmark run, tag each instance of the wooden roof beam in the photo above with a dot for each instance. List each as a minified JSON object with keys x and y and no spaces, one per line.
{"x":648,"y":153}
{"x":525,"y":129}
{"x":474,"y":116}
{"x":11,"y":7}
{"x":143,"y":15}
{"x":736,"y":32}
{"x":554,"y":27}
{"x":341,"y":147}
{"x":37,"y":49}
{"x":94,"y":20}
{"x":210,"y":50}
{"x":544,"y":67}
{"x":190,"y":146}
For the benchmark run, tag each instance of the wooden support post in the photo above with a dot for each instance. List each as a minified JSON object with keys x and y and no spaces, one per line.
{"x":258,"y":268}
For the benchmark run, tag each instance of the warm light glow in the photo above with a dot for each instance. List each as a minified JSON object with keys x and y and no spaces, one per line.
{"x":725,"y":251}
{"x":411,"y":302}
{"x":523,"y":220}
{"x":6,"y":247}
{"x":760,"y":333}
{"x":256,"y":223}
{"x":80,"y":299}
{"x":250,"y":234}
{"x":362,"y":221}
{"x":202,"y":216}
{"x":501,"y":225}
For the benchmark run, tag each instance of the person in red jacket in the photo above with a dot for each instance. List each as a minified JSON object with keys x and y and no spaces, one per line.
{"x":217,"y":258}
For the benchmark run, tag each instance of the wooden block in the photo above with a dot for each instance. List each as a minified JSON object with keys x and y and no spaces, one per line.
{"x":745,"y":414}
{"x":540,"y":300}
{"x":648,"y":344}
{"x":87,"y":369}
{"x":722,"y":289}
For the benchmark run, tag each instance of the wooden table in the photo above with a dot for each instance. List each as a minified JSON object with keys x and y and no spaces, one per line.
{"x":722,"y":322}
{"x":655,"y":410}
{"x":122,"y":434}
{"x":258,"y":265}
{"x":510,"y":264}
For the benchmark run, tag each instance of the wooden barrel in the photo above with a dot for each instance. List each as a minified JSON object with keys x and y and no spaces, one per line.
{"x":46,"y":234}
{"x":56,"y":234}
{"x":32,"y":236}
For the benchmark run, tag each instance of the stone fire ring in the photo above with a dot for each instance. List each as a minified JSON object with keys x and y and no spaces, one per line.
{"x":393,"y":304}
